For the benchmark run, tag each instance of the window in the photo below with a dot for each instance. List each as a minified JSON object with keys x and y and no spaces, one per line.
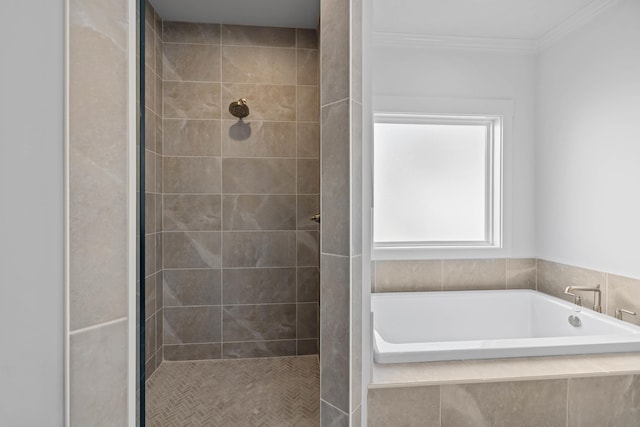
{"x":437,"y":181}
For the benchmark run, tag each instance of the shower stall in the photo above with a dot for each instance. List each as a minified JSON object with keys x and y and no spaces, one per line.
{"x":231,"y":255}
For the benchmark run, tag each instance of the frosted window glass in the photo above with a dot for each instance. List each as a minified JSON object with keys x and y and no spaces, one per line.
{"x":430,"y":182}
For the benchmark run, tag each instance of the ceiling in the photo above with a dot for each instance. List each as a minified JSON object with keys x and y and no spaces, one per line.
{"x":512,"y":19}
{"x":270,"y":13}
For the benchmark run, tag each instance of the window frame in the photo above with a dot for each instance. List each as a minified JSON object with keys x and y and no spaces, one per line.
{"x":498,"y":115}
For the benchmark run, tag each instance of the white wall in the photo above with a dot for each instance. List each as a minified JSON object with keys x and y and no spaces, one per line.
{"x":588,"y":148}
{"x":473,"y":74}
{"x":31,"y":213}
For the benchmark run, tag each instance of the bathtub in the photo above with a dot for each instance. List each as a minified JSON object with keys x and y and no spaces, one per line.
{"x":434,"y":326}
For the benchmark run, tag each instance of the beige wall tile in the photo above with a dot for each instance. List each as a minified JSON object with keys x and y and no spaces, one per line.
{"x":259,"y":322}
{"x":410,"y":406}
{"x":258,"y":36}
{"x":265,"y":65}
{"x":191,"y":100}
{"x":308,"y":171}
{"x":249,"y":212}
{"x":623,"y":292}
{"x":192,"y":351}
{"x":191,"y":62}
{"x":259,"y":249}
{"x":523,"y":404}
{"x":604,"y":401}
{"x":192,"y":250}
{"x":553,"y":278}
{"x":334,"y":36}
{"x":335,"y":178}
{"x":192,"y":287}
{"x":184,"y":325}
{"x":306,"y":38}
{"x":189,"y":32}
{"x":259,"y":285}
{"x":332,"y":417}
{"x":473,"y":274}
{"x":192,"y":212}
{"x":266,"y":102}
{"x":307,"y":65}
{"x":149,"y":47}
{"x":258,"y":176}
{"x":191,"y":175}
{"x":334,"y":330}
{"x":258,"y":139}
{"x":308,"y":136}
{"x":521,"y":273}
{"x":307,"y":103}
{"x":307,"y":248}
{"x":236,"y":350}
{"x":408,"y":276}
{"x":98,"y":376}
{"x":191,"y":137}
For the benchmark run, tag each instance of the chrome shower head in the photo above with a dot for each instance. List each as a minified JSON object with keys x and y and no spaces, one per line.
{"x":239,"y":108}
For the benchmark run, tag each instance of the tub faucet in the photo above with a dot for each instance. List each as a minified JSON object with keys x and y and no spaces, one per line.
{"x":597,"y":297}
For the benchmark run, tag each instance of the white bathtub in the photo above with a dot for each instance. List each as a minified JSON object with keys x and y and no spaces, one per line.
{"x":432,"y":326}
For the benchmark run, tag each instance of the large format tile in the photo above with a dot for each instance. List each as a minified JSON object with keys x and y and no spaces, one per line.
{"x":306,"y":38}
{"x":191,"y":175}
{"x":521,"y":273}
{"x":476,"y":274}
{"x":185,"y":325}
{"x":604,"y":401}
{"x":258,"y":176}
{"x":356,"y":179}
{"x":259,"y":322}
{"x":523,"y":404}
{"x":266,"y":65}
{"x":259,"y":249}
{"x":307,"y":320}
{"x":308,"y":284}
{"x":408,"y":276}
{"x":407,"y":406}
{"x":249,"y":212}
{"x":189,"y":32}
{"x":308,"y":205}
{"x":190,"y":62}
{"x":243,"y":350}
{"x":192,"y":250}
{"x":335,"y":178}
{"x":98,"y":376}
{"x":191,"y":100}
{"x":554,"y":277}
{"x":192,"y":287}
{"x":184,"y":137}
{"x":308,"y":248}
{"x":308,"y":143}
{"x":259,"y":285}
{"x":191,"y":212}
{"x":330,"y":416}
{"x":258,"y":139}
{"x":308,"y":176}
{"x":307,"y":67}
{"x":307,"y":104}
{"x":623,"y":292}
{"x":334,"y":330}
{"x":192,"y":352}
{"x":334,"y":42}
{"x":266,"y":102}
{"x":247,"y":35}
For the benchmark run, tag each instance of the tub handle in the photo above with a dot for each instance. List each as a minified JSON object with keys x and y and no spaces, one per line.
{"x":619,"y":312}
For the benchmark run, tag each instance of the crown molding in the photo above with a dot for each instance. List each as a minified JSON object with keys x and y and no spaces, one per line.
{"x":432,"y":41}
{"x":574,"y":22}
{"x":505,"y":45}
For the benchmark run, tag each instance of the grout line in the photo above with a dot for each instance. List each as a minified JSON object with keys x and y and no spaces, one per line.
{"x":334,"y":102}
{"x":334,"y":407}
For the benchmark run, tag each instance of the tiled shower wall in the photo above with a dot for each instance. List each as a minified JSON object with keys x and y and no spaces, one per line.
{"x":240,"y":255}
{"x":510,"y":273}
{"x":153,"y":189}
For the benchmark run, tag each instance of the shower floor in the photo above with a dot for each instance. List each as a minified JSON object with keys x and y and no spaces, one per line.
{"x":274,"y":392}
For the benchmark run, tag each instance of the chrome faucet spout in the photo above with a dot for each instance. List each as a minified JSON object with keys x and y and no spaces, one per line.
{"x":597,"y":295}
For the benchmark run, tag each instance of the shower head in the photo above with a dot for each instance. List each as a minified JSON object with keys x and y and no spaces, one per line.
{"x":239,"y":108}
